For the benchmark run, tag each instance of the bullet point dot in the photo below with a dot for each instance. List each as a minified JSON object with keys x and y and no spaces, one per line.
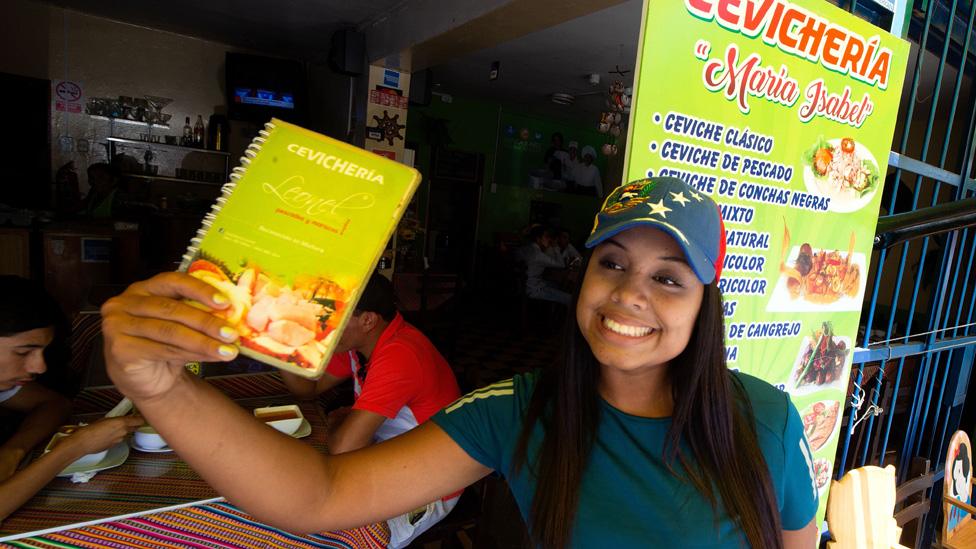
{"x":650,"y":173}
{"x":653,"y":146}
{"x":657,"y":118}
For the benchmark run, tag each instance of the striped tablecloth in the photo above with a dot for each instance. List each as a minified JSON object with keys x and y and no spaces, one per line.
{"x":217,"y":525}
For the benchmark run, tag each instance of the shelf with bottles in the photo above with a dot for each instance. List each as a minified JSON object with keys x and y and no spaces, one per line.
{"x":162,"y":153}
{"x":164,"y":146}
{"x":170,"y":178}
{"x":130,"y":122}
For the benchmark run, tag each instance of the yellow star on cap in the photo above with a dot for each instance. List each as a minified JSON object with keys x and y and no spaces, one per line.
{"x":696,"y":196}
{"x":680,"y":198}
{"x":659,"y":208}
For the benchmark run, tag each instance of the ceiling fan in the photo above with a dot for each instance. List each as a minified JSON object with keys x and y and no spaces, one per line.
{"x":618,"y":71}
{"x":566,"y":99}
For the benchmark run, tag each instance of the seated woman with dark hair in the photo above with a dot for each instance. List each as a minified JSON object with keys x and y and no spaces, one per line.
{"x":29,"y":319}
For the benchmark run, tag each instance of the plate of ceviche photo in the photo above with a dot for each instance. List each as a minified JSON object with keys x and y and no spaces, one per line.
{"x":820,"y":422}
{"x":820,"y":362}
{"x":844,"y":171}
{"x":818,"y":279}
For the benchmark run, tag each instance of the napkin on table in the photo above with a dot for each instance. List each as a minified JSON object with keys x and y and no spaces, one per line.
{"x":83,"y":477}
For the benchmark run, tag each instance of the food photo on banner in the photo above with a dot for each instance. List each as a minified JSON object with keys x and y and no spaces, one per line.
{"x":783,"y":112}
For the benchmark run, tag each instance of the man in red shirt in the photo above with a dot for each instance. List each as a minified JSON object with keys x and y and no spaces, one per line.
{"x":399,"y":381}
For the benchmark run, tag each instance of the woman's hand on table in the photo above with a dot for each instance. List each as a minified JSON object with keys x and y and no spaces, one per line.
{"x":102,"y":434}
{"x":151,"y":332}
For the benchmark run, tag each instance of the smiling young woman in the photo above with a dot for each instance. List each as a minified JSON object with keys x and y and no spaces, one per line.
{"x":637,"y":436}
{"x":649,"y":338}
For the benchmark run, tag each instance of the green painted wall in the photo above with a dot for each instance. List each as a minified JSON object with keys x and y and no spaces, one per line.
{"x":474,"y":126}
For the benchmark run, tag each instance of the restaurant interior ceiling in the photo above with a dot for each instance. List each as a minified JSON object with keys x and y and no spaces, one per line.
{"x":558,"y":59}
{"x":292,"y":28}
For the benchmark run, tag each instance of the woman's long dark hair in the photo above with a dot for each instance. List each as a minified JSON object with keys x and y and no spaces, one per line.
{"x":712,"y":415}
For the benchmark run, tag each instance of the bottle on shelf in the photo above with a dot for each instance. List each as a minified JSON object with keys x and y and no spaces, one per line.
{"x":198,"y":132}
{"x":187,"y":134}
{"x":217,"y":132}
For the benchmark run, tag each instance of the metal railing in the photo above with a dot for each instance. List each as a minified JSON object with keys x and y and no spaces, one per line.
{"x":910,"y":376}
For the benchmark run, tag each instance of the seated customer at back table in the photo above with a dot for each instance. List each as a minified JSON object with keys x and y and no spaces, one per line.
{"x":399,"y":380}
{"x":563,"y":249}
{"x":534,"y":254}
{"x":30,"y":321}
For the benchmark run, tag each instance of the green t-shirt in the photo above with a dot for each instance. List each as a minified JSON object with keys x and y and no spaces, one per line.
{"x":628,"y":497}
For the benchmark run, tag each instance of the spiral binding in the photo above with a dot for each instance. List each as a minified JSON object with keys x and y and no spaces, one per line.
{"x":193,"y":250}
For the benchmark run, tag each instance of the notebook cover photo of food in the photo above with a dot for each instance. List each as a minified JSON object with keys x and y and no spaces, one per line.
{"x":293,"y":239}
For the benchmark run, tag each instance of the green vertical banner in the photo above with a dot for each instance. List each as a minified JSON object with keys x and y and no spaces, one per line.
{"x":783,"y":112}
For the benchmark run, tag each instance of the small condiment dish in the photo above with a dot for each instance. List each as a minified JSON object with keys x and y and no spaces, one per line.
{"x":286,"y":419}
{"x":147,"y":437}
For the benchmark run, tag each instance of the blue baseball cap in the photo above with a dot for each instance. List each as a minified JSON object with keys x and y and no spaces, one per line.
{"x":693,"y":219}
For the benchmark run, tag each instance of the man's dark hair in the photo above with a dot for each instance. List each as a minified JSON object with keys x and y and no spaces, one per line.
{"x":26,"y":306}
{"x":378,"y":297}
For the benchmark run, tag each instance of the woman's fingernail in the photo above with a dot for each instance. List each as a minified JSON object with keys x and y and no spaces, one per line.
{"x":220,"y":299}
{"x":228,"y":333}
{"x":227,"y":351}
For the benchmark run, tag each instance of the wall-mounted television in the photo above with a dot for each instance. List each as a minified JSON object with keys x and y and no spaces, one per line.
{"x":261,"y":87}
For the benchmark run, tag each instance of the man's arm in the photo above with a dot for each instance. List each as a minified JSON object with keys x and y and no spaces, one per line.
{"x":355,"y":432}
{"x":308,"y":389}
{"x":45,"y":411}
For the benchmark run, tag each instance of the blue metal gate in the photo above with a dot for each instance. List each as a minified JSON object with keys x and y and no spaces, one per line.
{"x":912,"y":370}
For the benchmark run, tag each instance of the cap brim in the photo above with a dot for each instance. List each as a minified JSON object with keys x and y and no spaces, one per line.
{"x":703,"y":267}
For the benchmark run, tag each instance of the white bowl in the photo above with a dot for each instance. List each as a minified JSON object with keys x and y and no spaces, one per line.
{"x":83,"y":461}
{"x":147,"y":437}
{"x":287,"y":425}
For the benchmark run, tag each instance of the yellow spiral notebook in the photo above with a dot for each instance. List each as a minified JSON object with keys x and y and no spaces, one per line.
{"x":293,"y":239}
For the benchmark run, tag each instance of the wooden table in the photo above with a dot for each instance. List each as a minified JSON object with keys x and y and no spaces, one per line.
{"x":146,"y":481}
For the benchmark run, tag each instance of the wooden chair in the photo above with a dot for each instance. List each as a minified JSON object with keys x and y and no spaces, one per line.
{"x":913,"y":502}
{"x":860,"y":511}
{"x":958,"y":528}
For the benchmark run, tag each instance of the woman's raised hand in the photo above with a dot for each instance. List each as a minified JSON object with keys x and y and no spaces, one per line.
{"x":151,"y":332}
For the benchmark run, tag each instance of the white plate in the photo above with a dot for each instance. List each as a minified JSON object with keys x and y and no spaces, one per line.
{"x":163,"y":450}
{"x":846,"y":200}
{"x":116,"y":456}
{"x":782,"y":302}
{"x":304,"y":429}
{"x":83,"y":461}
